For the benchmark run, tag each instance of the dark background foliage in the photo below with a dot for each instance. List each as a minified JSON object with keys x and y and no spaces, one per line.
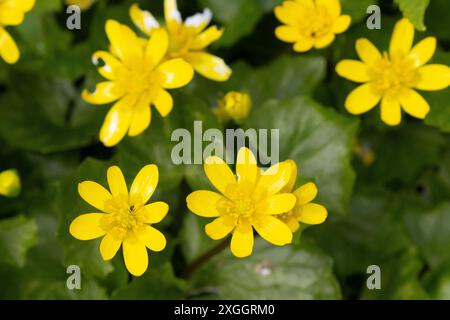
{"x":393,"y":211}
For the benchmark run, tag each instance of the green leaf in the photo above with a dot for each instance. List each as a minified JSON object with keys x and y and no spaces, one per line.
{"x":439,"y":115}
{"x":414,"y":10}
{"x":400,"y":278}
{"x":155,"y":284}
{"x":44,"y":276}
{"x":69,"y":205}
{"x":401,"y":155}
{"x":271,"y":272}
{"x":17,"y":236}
{"x":356,"y":9}
{"x":193,"y":239}
{"x":269,"y":5}
{"x":286,"y":77}
{"x":436,"y":18}
{"x":430,"y":231}
{"x":370,"y":234}
{"x":318,"y":139}
{"x":239,"y":17}
{"x":38,"y":120}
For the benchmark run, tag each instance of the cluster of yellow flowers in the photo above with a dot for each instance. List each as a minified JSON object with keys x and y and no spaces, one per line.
{"x":140,"y":70}
{"x":253,"y":198}
{"x":389,"y":77}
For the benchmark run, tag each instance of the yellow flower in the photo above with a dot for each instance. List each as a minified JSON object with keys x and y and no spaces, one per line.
{"x":9,"y":183}
{"x":234,"y":105}
{"x":310,"y":23}
{"x":125,"y":219}
{"x":12,"y":13}
{"x":83,"y":4}
{"x":304,"y":211}
{"x":137,"y":77}
{"x":188,"y":39}
{"x":392,"y":77}
{"x":248,"y":202}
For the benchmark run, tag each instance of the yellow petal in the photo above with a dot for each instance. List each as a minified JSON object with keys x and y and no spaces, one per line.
{"x":143,"y":19}
{"x":273,"y":180}
{"x":117,"y":122}
{"x":303,"y":44}
{"x":342,"y":23}
{"x":87,"y":226}
{"x":111,"y":64}
{"x":414,"y":104}
{"x":154,"y":212}
{"x":333,"y":7}
{"x":24,"y":5}
{"x":242,"y":242}
{"x":198,"y":22}
{"x":353,"y":70}
{"x":287,"y":33}
{"x":292,"y":179}
{"x":157,"y":46}
{"x":287,"y":12}
{"x":209,"y":66}
{"x":10,"y":16}
{"x":423,"y":51}
{"x":124,"y":41}
{"x":135,"y":256}
{"x":367,"y":52}
{"x":361,"y":99}
{"x":171,"y":13}
{"x":433,"y":77}
{"x":273,"y":230}
{"x":105,"y":92}
{"x":218,"y":229}
{"x":116,"y":182}
{"x":292,"y":223}
{"x":141,"y":118}
{"x":144,"y":184}
{"x":391,"y":113}
{"x":8,"y":48}
{"x":205,"y":38}
{"x":324,"y":41}
{"x":94,"y":194}
{"x":246,"y":168}
{"x":402,"y":38}
{"x":306,"y":193}
{"x":277,"y":204}
{"x":312,"y":213}
{"x":219,"y":173}
{"x":163,"y":102}
{"x":152,"y":238}
{"x":204,"y":203}
{"x":176,"y":73}
{"x":109,"y":246}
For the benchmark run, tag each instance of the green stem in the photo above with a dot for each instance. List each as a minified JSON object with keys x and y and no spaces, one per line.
{"x":206,"y":257}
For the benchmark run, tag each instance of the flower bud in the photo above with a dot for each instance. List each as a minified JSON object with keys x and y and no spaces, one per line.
{"x":9,"y":183}
{"x":235,"y":106}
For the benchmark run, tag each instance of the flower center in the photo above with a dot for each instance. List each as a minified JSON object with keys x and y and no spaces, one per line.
{"x":181,"y":38}
{"x":240,"y":206}
{"x":138,"y":77}
{"x":390,"y":74}
{"x":315,"y":22}
{"x":122,"y":218}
